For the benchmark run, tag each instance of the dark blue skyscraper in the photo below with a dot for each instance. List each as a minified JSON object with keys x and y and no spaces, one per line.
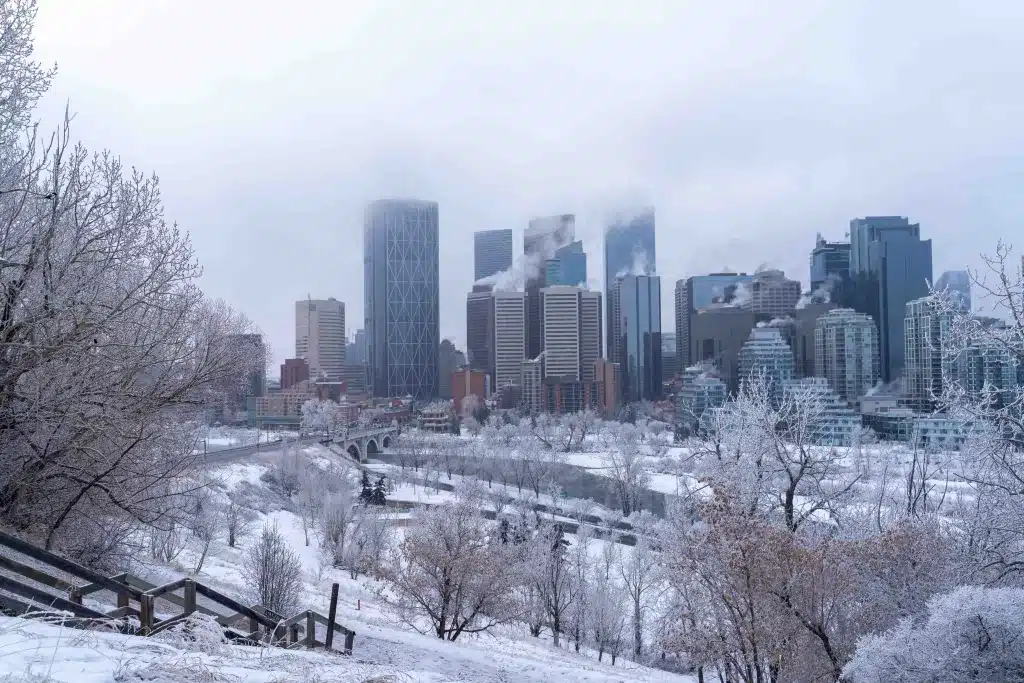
{"x":492,"y":252}
{"x":890,"y":265}
{"x":628,"y":250}
{"x":568,"y":266}
{"x":400,"y":265}
{"x":640,"y":341}
{"x":829,"y":260}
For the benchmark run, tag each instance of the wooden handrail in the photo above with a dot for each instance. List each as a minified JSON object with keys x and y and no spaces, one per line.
{"x":34,"y":574}
{"x":90,"y":588}
{"x":42,"y":597}
{"x":159,"y":591}
{"x":235,"y":606}
{"x":66,"y":565}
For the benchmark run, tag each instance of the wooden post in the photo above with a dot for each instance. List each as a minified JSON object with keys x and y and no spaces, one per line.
{"x":254,"y":627}
{"x":293,"y":634}
{"x":332,"y":613}
{"x":350,"y":637}
{"x":146,"y":613}
{"x":310,"y":630}
{"x":76,"y":597}
{"x":190,"y":596}
{"x":123,"y":599}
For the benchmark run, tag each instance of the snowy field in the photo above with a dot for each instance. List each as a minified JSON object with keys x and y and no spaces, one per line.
{"x":384,"y":644}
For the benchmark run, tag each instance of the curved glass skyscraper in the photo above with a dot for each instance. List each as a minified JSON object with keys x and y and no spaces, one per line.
{"x":401,"y":292}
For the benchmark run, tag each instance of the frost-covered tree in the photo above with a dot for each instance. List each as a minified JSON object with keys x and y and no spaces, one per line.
{"x":971,"y":634}
{"x":449,"y":575}
{"x":238,"y":521}
{"x":107,"y":346}
{"x":319,"y":416}
{"x":273,"y":572}
{"x":627,"y":465}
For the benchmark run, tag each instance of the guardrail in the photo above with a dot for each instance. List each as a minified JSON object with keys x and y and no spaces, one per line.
{"x":263,"y":626}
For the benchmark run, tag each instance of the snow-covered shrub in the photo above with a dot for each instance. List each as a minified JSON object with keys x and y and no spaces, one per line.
{"x":273,"y":572}
{"x":197,"y":633}
{"x":970,"y":634}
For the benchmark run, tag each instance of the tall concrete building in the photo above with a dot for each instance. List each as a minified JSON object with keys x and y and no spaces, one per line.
{"x":829,"y":260}
{"x":561,"y":322}
{"x":449,"y":360}
{"x":356,"y":349}
{"x":771,"y":295}
{"x":925,"y":328}
{"x":640,"y":337}
{"x":846,"y":352}
{"x":716,"y":336}
{"x":766,"y":356}
{"x":492,"y":252}
{"x":606,"y":373}
{"x":402,"y":297}
{"x":543,"y":237}
{"x":320,"y":336}
{"x":890,"y":266}
{"x":958,"y":284}
{"x":532,"y":382}
{"x":571,"y":332}
{"x":629,"y":249}
{"x":695,"y":294}
{"x":496,"y":335}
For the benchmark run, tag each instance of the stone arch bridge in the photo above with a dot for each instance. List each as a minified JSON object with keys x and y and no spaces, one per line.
{"x":363,"y":442}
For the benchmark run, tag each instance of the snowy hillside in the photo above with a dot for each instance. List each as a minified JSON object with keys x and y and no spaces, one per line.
{"x":385,"y":643}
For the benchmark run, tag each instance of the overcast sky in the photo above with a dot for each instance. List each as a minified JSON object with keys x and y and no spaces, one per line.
{"x":749,"y":125}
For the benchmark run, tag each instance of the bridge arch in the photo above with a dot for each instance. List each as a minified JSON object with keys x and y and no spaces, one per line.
{"x":371,"y":446}
{"x":353,"y":450}
{"x":386,"y":441}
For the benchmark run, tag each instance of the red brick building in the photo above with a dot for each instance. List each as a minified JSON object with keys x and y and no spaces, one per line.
{"x":468,"y":382}
{"x":293,"y":371}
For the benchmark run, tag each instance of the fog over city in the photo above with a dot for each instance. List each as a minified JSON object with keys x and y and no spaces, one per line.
{"x":748,"y":126}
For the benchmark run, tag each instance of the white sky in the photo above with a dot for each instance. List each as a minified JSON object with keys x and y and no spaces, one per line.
{"x":749,"y":125}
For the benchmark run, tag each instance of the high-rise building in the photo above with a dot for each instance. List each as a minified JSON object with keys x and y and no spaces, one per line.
{"x":890,"y":265}
{"x":766,"y":357}
{"x":716,"y":336}
{"x":846,"y":352}
{"x":401,"y":288}
{"x":829,"y":260}
{"x":466,"y":383}
{"x":629,"y":249}
{"x":356,"y":376}
{"x":492,"y":252}
{"x":771,"y":295}
{"x":561,"y":340}
{"x":496,"y":335}
{"x":531,"y":380}
{"x":543,"y":237}
{"x":355,"y":351}
{"x":606,"y":373}
{"x":958,"y":284}
{"x":293,"y":371}
{"x":590,"y":332}
{"x":320,"y":336}
{"x":702,"y":392}
{"x":926,"y":326}
{"x":698,"y":293}
{"x":640,"y":337}
{"x":449,"y":359}
{"x":669,"y":357}
{"x":568,"y":266}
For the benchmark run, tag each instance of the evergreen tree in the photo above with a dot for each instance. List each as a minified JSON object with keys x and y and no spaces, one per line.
{"x":379,"y":495}
{"x":366,"y":494}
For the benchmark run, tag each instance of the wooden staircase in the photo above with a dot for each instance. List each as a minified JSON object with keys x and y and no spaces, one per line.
{"x":139,"y":602}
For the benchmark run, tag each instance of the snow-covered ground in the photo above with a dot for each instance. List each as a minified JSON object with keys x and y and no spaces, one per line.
{"x":384,"y":645}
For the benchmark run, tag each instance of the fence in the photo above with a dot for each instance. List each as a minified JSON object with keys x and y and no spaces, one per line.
{"x":138,"y":601}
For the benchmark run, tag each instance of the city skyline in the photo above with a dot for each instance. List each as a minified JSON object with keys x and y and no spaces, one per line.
{"x":517,"y":127}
